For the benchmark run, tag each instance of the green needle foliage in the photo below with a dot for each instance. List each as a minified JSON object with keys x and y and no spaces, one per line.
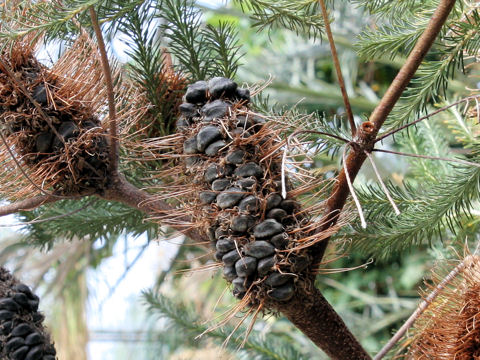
{"x":393,"y":39}
{"x":54,"y":19}
{"x":223,"y":39}
{"x":302,"y":16}
{"x":201,"y":51}
{"x":459,"y":41}
{"x":437,"y":200}
{"x":427,"y":138}
{"x":392,"y":8}
{"x":101,"y":220}
{"x":440,"y":208}
{"x":147,"y":64}
{"x":184,"y":318}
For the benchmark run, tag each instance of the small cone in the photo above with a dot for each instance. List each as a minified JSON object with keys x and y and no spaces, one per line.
{"x":48,"y":126}
{"x":22,"y":334}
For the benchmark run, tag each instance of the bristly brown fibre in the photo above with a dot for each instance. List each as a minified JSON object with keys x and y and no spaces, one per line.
{"x":54,"y":142}
{"x":449,"y":328}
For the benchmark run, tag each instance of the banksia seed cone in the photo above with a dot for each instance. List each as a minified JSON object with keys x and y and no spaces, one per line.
{"x":449,"y":327}
{"x":47,"y":123}
{"x":22,"y":335}
{"x":233,"y":160}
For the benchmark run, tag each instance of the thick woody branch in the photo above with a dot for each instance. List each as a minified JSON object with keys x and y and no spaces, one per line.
{"x":112,"y":115}
{"x":357,"y":157}
{"x":314,"y":316}
{"x":27,"y":204}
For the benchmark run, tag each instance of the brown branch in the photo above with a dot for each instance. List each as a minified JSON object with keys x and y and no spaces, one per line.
{"x":26,"y":205}
{"x":338,"y":69}
{"x":310,"y":311}
{"x":112,"y":115}
{"x":123,"y":191}
{"x":467,"y":100}
{"x":370,"y":129}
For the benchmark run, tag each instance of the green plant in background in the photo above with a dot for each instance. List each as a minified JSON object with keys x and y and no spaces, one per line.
{"x":173,"y":43}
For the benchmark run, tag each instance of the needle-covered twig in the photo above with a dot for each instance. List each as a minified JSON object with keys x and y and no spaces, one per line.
{"x":382,"y":184}
{"x":442,"y":109}
{"x":428,"y":157}
{"x":52,"y":218}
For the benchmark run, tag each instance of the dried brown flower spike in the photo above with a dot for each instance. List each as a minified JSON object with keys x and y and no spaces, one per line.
{"x":449,"y":328}
{"x":48,"y":126}
{"x":22,"y":334}
{"x":233,"y":161}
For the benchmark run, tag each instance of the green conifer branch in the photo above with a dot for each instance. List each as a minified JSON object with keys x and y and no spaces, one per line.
{"x":202,"y":51}
{"x":102,"y":221}
{"x":441,"y":207}
{"x":42,"y":17}
{"x":394,"y":8}
{"x":431,"y":81}
{"x":428,"y":138}
{"x":147,"y":62}
{"x":224,"y":41}
{"x":182,"y":28}
{"x":300,"y":16}
{"x":183,"y":318}
{"x":392,"y":39}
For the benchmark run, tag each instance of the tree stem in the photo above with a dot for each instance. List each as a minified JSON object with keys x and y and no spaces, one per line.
{"x":311,"y":313}
{"x":356,"y":158}
{"x":123,"y":191}
{"x":112,"y":115}
{"x":27,"y":204}
{"x":338,"y":69}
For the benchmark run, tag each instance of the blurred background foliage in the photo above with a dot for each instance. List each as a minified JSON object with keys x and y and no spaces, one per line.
{"x":65,"y":258}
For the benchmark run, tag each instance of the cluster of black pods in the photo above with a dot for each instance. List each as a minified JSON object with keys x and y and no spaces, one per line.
{"x":21,"y":327}
{"x":250,"y":226}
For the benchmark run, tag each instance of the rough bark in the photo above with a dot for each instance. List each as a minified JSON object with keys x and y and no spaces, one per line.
{"x":311,"y":313}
